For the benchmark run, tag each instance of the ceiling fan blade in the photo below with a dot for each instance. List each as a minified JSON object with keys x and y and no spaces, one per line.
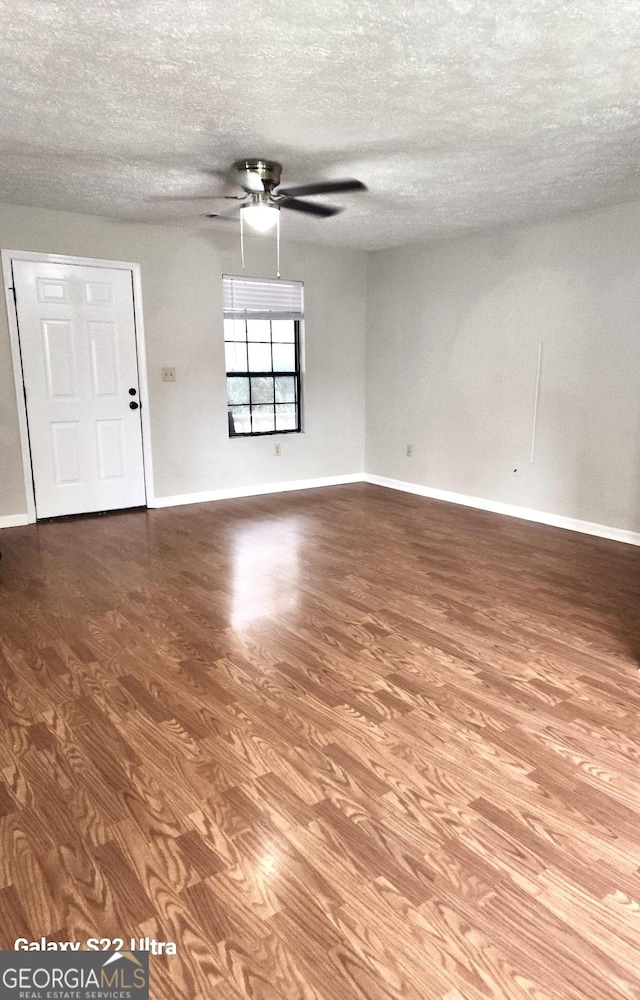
{"x":223,"y":218}
{"x":306,"y":206}
{"x":323,"y":187}
{"x":200,"y":197}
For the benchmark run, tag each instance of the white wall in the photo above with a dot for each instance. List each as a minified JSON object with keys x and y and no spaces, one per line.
{"x":452,"y":342}
{"x":182,"y":296}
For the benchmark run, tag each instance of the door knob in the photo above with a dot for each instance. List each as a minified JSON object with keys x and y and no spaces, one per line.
{"x":133,"y":405}
{"x":132,"y":392}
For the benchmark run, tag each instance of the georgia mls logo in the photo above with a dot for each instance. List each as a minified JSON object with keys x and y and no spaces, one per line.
{"x":122,"y":975}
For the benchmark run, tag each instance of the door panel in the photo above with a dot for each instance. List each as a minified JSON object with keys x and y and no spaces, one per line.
{"x":66,"y":461}
{"x":105,"y":366}
{"x":109,"y":439}
{"x":50,"y":290}
{"x":98,"y":293}
{"x":77,"y":340}
{"x":59,"y":357}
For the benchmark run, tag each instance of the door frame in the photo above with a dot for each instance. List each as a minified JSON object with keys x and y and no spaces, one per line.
{"x":8,"y":256}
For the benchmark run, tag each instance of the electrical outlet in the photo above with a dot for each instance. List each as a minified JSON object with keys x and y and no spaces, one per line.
{"x":277,"y":449}
{"x":168,"y":374}
{"x":409,"y":450}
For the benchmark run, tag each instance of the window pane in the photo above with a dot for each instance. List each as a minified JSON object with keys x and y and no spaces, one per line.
{"x":260,"y":358}
{"x":237,"y":390}
{"x":235,"y":329}
{"x":235,"y":357}
{"x":258,"y":329}
{"x":285,"y":389}
{"x":284,"y":358}
{"x":262,"y":389}
{"x":263,"y":420}
{"x":283,"y":329}
{"x":241,"y":419}
{"x":286,"y":417}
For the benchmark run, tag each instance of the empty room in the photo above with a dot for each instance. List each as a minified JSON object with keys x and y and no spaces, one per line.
{"x":320,"y":500}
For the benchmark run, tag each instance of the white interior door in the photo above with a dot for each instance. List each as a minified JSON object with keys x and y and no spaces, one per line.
{"x":79,"y":360}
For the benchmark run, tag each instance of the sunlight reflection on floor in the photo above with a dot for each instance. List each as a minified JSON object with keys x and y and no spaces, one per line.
{"x":266,"y":569}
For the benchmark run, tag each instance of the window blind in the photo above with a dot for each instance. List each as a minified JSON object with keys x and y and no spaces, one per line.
{"x":261,"y":298}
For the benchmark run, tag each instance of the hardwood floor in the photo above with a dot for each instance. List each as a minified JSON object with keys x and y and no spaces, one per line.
{"x":339,"y":744}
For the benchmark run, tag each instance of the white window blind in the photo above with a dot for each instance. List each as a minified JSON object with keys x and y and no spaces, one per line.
{"x":261,"y":298}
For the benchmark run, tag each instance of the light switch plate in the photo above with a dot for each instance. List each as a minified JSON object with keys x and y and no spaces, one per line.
{"x":168,"y":374}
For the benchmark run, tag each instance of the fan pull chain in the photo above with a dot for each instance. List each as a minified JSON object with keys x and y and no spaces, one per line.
{"x":242,"y":240}
{"x":278,"y":246}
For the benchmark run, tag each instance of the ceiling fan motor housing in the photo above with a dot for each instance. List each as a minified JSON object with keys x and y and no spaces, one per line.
{"x":257,"y":176}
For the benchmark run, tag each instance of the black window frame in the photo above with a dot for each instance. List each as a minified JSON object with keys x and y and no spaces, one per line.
{"x":272,"y":373}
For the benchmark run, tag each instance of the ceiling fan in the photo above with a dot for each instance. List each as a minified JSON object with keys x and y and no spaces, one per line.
{"x":263,"y":197}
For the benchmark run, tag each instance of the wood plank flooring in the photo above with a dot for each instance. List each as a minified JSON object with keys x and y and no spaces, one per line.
{"x":336,"y":745}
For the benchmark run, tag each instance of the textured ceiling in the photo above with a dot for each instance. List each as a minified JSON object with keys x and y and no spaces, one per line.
{"x":458,"y":114}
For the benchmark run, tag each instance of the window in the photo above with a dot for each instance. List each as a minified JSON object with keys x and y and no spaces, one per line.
{"x":262,"y":350}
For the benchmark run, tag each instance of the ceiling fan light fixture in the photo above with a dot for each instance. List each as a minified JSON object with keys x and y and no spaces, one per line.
{"x":260,"y":217}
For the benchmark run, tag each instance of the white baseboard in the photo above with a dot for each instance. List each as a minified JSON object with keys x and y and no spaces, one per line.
{"x":13,"y":520}
{"x":495,"y":506}
{"x":511,"y":510}
{"x":252,"y":491}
